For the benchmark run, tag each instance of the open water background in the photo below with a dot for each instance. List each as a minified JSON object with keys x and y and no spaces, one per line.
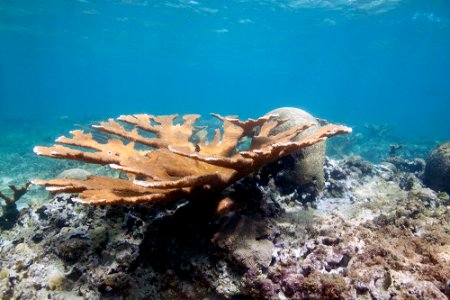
{"x":352,"y":62}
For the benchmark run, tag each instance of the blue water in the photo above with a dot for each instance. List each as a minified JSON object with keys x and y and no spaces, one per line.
{"x":352,"y":62}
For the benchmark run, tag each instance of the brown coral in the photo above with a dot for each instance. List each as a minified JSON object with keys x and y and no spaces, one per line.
{"x":172,"y":166}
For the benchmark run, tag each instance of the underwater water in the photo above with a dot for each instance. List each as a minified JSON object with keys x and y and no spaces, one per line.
{"x":353,"y":62}
{"x":382,"y":67}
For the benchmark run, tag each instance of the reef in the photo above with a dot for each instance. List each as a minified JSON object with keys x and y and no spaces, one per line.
{"x":375,"y":231}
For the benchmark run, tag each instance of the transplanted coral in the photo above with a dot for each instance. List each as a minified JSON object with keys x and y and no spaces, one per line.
{"x":175,"y":162}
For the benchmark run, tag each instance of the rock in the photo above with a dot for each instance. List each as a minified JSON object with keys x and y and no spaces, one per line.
{"x":437,"y":170}
{"x":244,"y":237}
{"x":55,"y":279}
{"x":75,"y":173}
{"x":38,"y":237}
{"x":72,"y":249}
{"x":415,"y":166}
{"x":99,"y":236}
{"x":304,"y":169}
{"x":408,"y":181}
{"x":358,"y":165}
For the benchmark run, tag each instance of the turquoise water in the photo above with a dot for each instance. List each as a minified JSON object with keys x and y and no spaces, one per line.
{"x":353,"y":62}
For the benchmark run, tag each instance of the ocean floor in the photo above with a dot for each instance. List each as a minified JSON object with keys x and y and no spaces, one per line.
{"x":375,"y":232}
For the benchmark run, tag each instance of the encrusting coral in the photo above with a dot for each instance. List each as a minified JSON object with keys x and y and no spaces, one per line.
{"x":176,"y":161}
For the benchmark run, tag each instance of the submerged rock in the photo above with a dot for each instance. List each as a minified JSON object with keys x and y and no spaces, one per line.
{"x":416,"y":166}
{"x":245,"y":238}
{"x":437,"y":170}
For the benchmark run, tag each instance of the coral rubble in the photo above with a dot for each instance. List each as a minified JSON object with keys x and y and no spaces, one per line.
{"x":174,"y":162}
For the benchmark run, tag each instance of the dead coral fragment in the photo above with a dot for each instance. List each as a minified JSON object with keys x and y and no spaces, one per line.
{"x":17,"y":193}
{"x":10,"y":213}
{"x":172,"y":166}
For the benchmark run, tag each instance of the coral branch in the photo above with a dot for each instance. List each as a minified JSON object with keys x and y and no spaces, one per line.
{"x":170,"y":165}
{"x":17,"y":193}
{"x":11,"y":214}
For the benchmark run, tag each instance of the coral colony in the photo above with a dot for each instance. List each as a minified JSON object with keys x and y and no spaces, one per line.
{"x":179,"y":161}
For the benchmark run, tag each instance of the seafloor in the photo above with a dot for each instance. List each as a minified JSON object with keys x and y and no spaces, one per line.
{"x":375,"y":232}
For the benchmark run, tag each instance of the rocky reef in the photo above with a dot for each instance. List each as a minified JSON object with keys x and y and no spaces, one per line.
{"x":305,"y":226}
{"x":374,"y":232}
